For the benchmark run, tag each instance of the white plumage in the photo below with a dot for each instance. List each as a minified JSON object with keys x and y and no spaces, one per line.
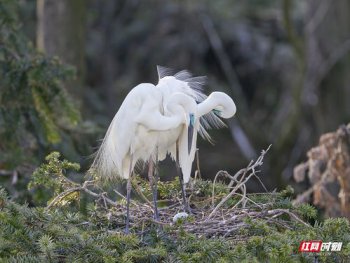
{"x":142,"y":123}
{"x":153,"y":120}
{"x":206,"y":119}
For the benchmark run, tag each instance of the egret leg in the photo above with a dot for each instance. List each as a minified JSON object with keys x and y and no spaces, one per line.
{"x":128,"y":192}
{"x":183,"y":189}
{"x":156,"y":178}
{"x":153,"y":180}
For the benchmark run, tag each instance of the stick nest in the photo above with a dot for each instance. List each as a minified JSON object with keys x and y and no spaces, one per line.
{"x":221,"y":208}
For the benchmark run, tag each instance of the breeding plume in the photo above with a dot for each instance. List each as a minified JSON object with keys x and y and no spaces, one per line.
{"x":154,"y":121}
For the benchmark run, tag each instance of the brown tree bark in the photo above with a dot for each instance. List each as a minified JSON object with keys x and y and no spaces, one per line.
{"x":328,"y":171}
{"x":61,"y":32}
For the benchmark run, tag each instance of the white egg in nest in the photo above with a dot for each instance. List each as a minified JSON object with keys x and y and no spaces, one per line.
{"x":181,"y":215}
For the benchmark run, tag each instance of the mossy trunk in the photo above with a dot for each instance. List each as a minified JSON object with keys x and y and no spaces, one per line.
{"x":61,"y":32}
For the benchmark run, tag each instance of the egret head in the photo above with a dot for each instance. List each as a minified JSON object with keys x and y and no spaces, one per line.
{"x":225,"y":107}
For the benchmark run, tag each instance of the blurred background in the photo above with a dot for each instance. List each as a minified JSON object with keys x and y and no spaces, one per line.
{"x":67,"y":65}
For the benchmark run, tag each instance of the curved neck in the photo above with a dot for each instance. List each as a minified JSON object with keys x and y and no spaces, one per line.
{"x":178,"y":109}
{"x":206,"y":106}
{"x":181,"y":104}
{"x":217,"y":100}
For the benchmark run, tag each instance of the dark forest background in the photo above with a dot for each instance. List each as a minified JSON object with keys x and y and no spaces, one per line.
{"x":66,"y":66}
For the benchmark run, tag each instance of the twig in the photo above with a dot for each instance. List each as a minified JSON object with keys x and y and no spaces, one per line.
{"x":229,"y":196}
{"x":6,"y":172}
{"x":122,"y":196}
{"x":80,"y":188}
{"x":197,"y":162}
{"x":139,"y":192}
{"x":286,"y":211}
{"x":250,"y":200}
{"x":62,"y":195}
{"x":119,"y":194}
{"x":214,"y":183}
{"x":262,"y":184}
{"x":251,"y":168}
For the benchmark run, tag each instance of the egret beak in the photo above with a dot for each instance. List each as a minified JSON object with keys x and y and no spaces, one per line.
{"x":190,"y":132}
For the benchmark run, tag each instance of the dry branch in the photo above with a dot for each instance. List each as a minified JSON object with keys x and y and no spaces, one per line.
{"x":250,"y":168}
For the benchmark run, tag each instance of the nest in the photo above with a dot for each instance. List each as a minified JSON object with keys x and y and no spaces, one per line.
{"x":226,"y":222}
{"x":229,"y":213}
{"x":213,"y":216}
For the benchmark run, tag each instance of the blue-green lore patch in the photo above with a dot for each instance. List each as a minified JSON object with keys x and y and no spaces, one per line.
{"x":217,"y":112}
{"x":191,"y":119}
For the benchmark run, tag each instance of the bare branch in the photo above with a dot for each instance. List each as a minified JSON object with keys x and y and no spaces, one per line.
{"x":216,"y":44}
{"x":318,"y":16}
{"x":251,"y":168}
{"x":286,"y":211}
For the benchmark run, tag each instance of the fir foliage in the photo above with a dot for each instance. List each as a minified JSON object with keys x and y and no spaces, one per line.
{"x":34,"y":106}
{"x":63,"y":234}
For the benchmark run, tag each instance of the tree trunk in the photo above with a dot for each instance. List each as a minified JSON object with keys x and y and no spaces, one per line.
{"x":61,"y":32}
{"x":327,"y":41}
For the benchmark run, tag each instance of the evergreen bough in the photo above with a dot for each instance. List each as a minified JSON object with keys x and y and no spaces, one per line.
{"x":35,"y":109}
{"x":63,"y":234}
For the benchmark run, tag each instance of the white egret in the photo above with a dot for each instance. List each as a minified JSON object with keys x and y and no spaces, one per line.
{"x":155,"y":120}
{"x":134,"y":132}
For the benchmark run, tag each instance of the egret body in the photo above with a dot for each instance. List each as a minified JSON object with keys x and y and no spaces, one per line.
{"x":154,"y":121}
{"x":133,"y":134}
